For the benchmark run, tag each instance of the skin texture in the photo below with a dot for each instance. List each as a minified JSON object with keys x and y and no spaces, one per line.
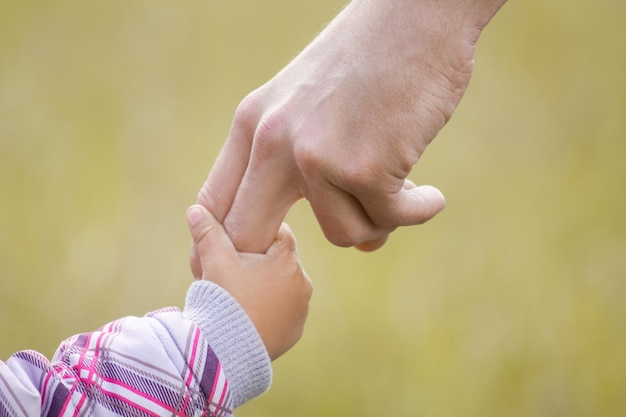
{"x":345,"y":122}
{"x":272,"y":288}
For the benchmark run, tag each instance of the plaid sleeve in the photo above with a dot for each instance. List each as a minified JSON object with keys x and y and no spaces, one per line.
{"x":157,"y":365}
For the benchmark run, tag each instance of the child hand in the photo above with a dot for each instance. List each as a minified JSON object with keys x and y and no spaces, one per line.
{"x":272,"y":288}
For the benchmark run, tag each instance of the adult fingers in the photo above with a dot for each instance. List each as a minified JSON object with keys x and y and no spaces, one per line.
{"x":259,"y":209}
{"x":342,"y":217}
{"x":267,"y":191}
{"x":367,"y":222}
{"x":219,"y":190}
{"x":211,"y":242}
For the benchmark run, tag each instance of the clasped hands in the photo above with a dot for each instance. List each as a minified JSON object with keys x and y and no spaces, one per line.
{"x":342,"y":125}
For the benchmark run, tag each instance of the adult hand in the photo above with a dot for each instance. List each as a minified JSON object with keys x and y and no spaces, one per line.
{"x":345,"y":122}
{"x":272,"y":288}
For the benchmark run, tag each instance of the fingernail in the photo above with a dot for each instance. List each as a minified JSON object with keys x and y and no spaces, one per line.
{"x":194,"y":215}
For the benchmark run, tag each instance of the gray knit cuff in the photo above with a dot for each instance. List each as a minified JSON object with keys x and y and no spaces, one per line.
{"x":233,"y":337}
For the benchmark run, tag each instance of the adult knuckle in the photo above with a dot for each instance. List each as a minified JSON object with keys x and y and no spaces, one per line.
{"x":360,"y":178}
{"x":362,"y":174}
{"x":270,"y":134}
{"x":247,"y":108}
{"x":308,"y":156}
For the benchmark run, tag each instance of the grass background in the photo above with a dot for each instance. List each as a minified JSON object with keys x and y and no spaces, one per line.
{"x":510,"y":302}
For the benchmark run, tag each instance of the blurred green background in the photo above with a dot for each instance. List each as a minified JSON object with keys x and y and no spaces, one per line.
{"x":509,"y":303}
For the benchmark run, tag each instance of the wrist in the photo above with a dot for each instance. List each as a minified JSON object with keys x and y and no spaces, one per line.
{"x":233,"y":337}
{"x":469,"y":16}
{"x":429,"y":35}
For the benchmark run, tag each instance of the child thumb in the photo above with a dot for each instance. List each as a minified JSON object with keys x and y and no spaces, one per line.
{"x":207,"y":233}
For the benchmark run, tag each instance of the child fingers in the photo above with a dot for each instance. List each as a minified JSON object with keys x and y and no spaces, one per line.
{"x":285,"y":241}
{"x":195,"y":262}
